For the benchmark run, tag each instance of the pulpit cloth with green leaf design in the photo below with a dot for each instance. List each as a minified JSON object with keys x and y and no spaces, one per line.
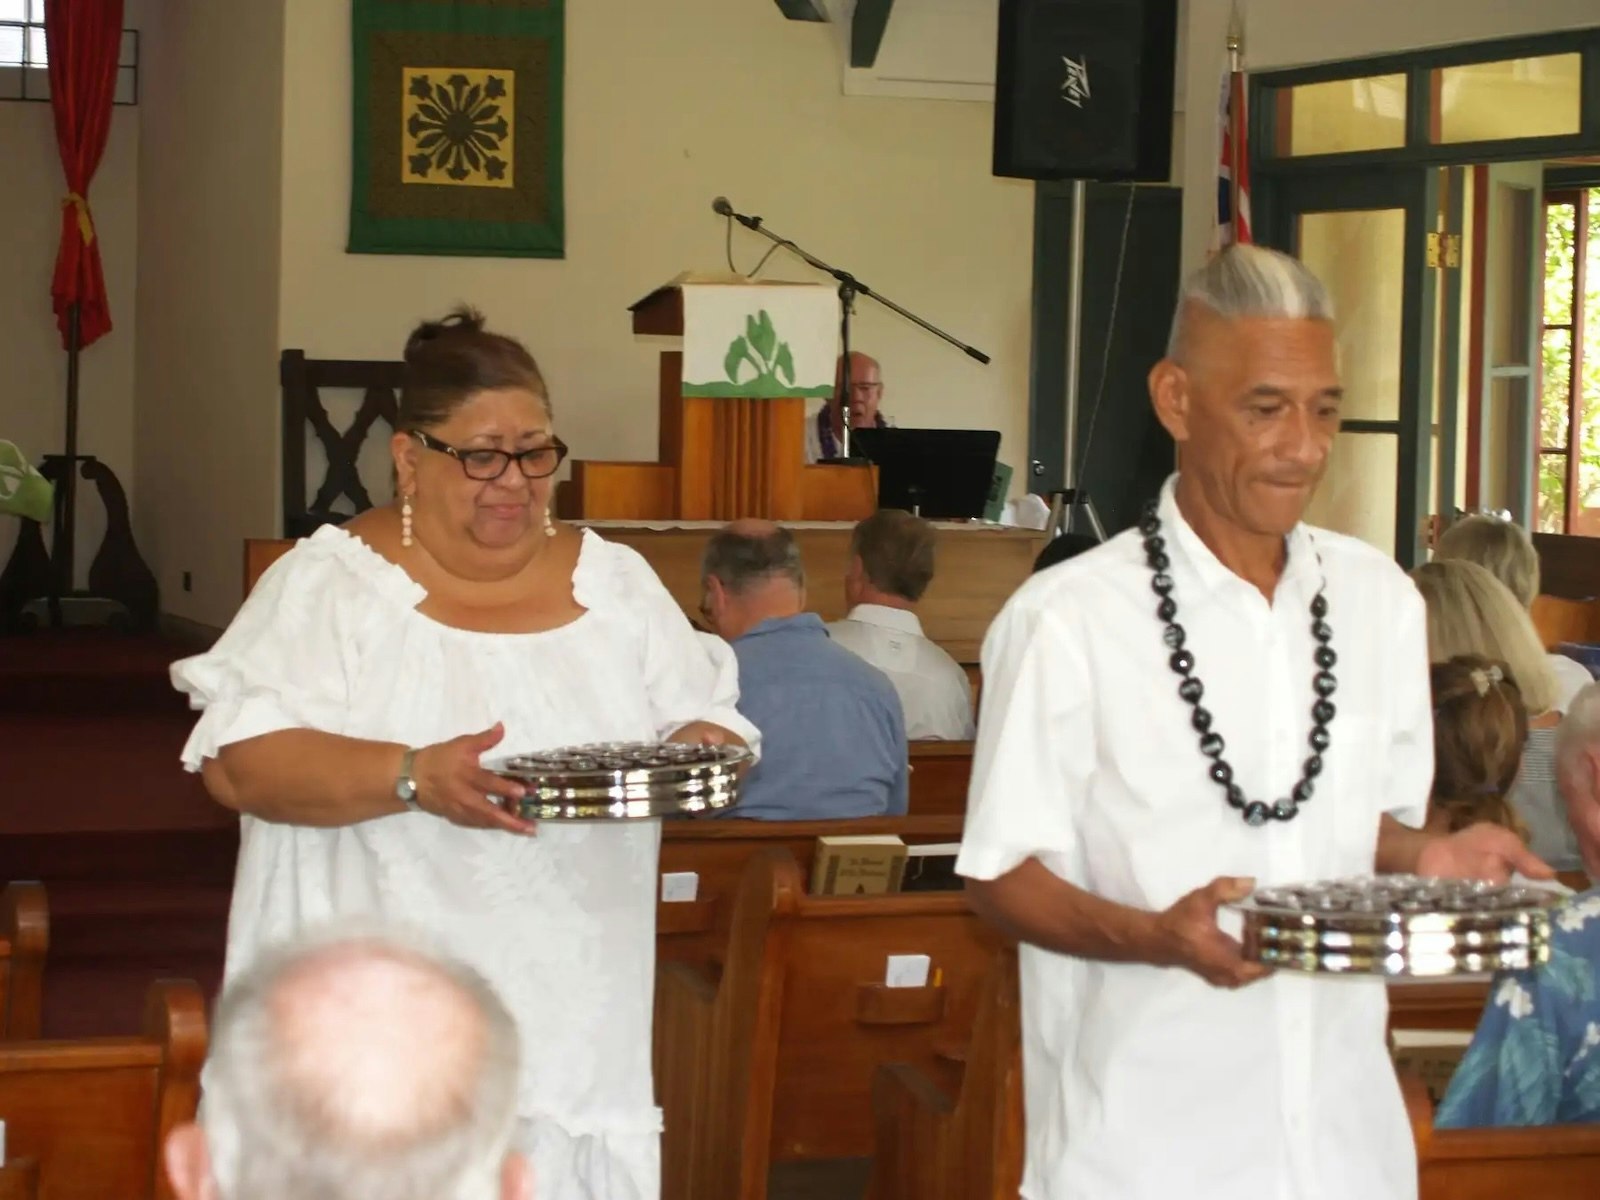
{"x":760,"y":340}
{"x":457,"y":128}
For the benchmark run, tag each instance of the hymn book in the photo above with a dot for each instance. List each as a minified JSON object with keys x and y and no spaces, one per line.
{"x":860,"y":865}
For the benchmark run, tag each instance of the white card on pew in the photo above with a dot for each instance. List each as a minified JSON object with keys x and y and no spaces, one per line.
{"x":907,"y":970}
{"x":679,"y":885}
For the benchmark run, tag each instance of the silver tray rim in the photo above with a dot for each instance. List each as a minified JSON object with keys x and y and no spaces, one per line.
{"x":1427,"y":944}
{"x":636,"y":794}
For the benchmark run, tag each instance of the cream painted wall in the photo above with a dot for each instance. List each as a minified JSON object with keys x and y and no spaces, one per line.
{"x":668,"y":105}
{"x":33,"y":366}
{"x":209,"y":180}
{"x":1283,"y":33}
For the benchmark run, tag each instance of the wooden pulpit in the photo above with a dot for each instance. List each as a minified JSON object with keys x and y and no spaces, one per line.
{"x":724,"y":455}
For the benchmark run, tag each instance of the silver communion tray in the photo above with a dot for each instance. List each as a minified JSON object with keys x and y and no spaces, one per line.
{"x":624,"y":781}
{"x":1399,"y":925}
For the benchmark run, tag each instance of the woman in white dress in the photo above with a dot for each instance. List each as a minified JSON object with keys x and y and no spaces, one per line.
{"x":347,"y":706}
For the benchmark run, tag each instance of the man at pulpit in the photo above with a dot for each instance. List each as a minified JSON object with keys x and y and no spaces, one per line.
{"x":825,"y":431}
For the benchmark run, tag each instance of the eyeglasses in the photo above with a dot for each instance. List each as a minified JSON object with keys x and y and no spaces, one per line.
{"x":488,"y":465}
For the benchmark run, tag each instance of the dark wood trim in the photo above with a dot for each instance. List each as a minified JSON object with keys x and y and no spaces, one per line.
{"x":1475,"y":334}
{"x":1569,"y":566}
{"x":870,"y":19}
{"x":1450,"y":394}
{"x":1567,"y":41}
{"x":1572,"y":175}
{"x":1580,"y":252}
{"x":1445,"y":154}
{"x":1368,"y":426}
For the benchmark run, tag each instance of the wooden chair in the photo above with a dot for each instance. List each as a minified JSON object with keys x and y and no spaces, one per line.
{"x":24,"y":939}
{"x":1552,"y":1162}
{"x":940,"y":775}
{"x":95,"y":1113}
{"x":767,"y":1053}
{"x":719,"y":851}
{"x":952,"y":1129}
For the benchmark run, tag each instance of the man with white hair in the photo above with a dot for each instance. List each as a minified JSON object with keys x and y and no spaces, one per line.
{"x":1535,"y":1059}
{"x":351,"y":1066}
{"x":1219,"y":698}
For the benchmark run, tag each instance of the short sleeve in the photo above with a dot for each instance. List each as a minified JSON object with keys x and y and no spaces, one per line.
{"x":1034,"y":750}
{"x":1410,"y":775}
{"x":688,"y":676}
{"x":280,"y":663}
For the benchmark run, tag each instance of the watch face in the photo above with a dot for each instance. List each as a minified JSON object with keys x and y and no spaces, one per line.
{"x":406,"y":789}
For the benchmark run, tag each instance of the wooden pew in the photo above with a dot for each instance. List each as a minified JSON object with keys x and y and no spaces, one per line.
{"x":952,"y":1129}
{"x":24,"y":939}
{"x":718,"y":852}
{"x":1561,"y":620}
{"x":769,"y":1055}
{"x":94,"y":1113}
{"x":1447,"y":1004}
{"x":1552,"y":1162}
{"x":940,"y":775}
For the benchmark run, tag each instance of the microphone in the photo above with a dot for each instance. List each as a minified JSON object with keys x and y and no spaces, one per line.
{"x":722,"y":208}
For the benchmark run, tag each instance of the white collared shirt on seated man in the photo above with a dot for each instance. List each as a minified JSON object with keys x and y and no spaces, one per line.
{"x":934,"y":691}
{"x":1145,"y":1083}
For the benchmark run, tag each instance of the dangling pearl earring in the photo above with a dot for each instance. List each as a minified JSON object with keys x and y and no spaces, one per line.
{"x":405,"y":521}
{"x":549,"y":525}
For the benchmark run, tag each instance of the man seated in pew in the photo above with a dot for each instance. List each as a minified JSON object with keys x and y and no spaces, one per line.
{"x":350,"y":1064}
{"x":1535,"y":1058}
{"x":891,"y":566}
{"x":833,"y":736}
{"x":1220,"y":697}
{"x":825,"y":431}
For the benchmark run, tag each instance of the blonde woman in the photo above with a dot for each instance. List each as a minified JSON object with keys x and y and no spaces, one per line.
{"x":1470,"y":612}
{"x":1504,"y":549}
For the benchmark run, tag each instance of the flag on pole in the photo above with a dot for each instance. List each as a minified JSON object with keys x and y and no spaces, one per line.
{"x":1233,"y":165}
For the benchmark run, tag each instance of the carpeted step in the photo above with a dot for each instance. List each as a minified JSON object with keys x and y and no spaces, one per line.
{"x":136,"y":923}
{"x":197,"y":857}
{"x":88,"y":673}
{"x":107,"y":999}
{"x":69,"y":774}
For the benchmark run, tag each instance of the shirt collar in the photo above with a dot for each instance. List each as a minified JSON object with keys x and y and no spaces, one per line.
{"x":1301,"y":567}
{"x":805,"y":622}
{"x":901,"y":620}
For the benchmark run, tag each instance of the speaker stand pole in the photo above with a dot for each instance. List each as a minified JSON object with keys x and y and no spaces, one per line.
{"x":1074,"y":363}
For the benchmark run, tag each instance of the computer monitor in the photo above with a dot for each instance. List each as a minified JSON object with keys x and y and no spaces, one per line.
{"x":937,"y":473}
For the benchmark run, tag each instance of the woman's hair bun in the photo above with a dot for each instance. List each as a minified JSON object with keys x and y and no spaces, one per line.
{"x":461,"y":319}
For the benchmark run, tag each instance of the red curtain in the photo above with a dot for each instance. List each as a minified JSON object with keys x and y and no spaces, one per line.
{"x":84,"y":38}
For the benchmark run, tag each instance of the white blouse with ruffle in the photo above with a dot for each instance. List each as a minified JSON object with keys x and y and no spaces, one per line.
{"x":562,"y":924}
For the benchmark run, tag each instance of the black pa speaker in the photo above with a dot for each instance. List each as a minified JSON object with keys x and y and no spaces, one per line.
{"x":1083,"y":89}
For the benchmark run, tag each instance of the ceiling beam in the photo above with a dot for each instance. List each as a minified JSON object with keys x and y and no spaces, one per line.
{"x":866,"y":31}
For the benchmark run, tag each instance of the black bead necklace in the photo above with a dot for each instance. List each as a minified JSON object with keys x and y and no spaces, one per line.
{"x":1254,"y":812}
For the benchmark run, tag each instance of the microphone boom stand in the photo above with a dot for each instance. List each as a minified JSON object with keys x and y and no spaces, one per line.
{"x":849,"y":288}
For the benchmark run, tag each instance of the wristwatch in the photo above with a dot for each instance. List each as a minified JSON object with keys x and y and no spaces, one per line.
{"x":405,"y":787}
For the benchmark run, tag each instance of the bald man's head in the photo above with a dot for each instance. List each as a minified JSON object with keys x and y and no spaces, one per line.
{"x":357,"y":1066}
{"x":377,"y":1046}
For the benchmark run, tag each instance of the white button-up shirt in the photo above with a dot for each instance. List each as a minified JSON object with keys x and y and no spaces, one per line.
{"x":934,"y":691}
{"x":1144,"y":1083}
